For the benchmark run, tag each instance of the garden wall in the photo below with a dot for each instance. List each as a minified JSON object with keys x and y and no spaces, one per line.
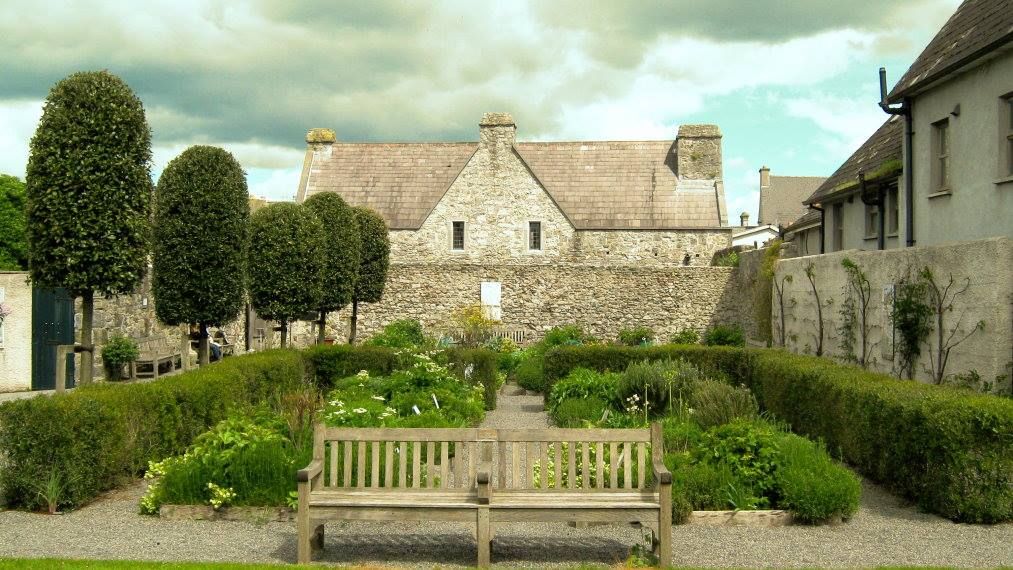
{"x":982,"y":266}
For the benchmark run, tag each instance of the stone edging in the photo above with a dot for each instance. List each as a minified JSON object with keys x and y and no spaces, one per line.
{"x":756,"y":519}
{"x":241,"y":514}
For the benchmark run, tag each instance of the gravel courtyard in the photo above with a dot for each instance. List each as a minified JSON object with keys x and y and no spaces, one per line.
{"x":884,"y":532}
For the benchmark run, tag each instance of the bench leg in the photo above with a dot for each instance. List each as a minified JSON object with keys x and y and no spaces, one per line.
{"x":304,"y":551}
{"x":484,"y":537}
{"x":665,"y":529}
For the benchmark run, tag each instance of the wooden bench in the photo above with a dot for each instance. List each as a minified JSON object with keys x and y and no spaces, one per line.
{"x":157,"y":356}
{"x":485,"y":476}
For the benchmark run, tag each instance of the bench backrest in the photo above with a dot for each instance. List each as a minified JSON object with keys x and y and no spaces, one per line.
{"x":531,"y":459}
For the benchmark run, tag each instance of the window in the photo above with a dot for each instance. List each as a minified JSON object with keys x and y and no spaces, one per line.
{"x":838,"y":220}
{"x":871,"y":221}
{"x":941,"y":156}
{"x":457,"y":238}
{"x":892,"y":210}
{"x":1006,"y":130}
{"x":535,"y":236}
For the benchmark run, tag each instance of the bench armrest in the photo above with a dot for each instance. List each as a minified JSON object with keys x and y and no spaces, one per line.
{"x":310,"y":472}
{"x":483,"y":482}
{"x":661,"y":473}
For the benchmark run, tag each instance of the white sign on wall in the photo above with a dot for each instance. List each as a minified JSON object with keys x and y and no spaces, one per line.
{"x":491,"y":299}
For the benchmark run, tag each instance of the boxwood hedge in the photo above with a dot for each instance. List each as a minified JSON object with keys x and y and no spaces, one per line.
{"x":948,"y":449}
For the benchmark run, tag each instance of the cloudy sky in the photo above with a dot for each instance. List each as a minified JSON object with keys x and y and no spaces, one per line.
{"x":792,"y":83}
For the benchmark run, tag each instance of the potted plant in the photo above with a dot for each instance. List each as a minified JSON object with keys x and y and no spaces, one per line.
{"x":119,"y":351}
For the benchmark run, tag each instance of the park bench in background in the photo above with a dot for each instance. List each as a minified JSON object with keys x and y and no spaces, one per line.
{"x":158,"y":356}
{"x":485,"y":476}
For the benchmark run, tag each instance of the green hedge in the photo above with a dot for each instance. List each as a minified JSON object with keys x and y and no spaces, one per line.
{"x":947,"y":449}
{"x":328,"y":363}
{"x":485,"y":369}
{"x":96,"y":436}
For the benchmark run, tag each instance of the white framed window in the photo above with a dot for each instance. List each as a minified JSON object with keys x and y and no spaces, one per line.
{"x":837,"y":217}
{"x":535,"y":236}
{"x":871,"y":221}
{"x":457,"y":236}
{"x":892,"y":210}
{"x":941,"y":156}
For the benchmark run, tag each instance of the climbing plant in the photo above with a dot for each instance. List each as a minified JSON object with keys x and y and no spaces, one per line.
{"x":810,"y":273}
{"x":941,"y":299}
{"x":762,"y":293}
{"x":855,"y":312}
{"x":911,"y":318}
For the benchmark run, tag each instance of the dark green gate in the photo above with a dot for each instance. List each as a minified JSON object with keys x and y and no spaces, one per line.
{"x":52,"y":325}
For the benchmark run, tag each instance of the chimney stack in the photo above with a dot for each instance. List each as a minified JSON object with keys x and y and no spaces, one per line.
{"x":698,"y":152}
{"x":744,"y":219}
{"x":497,"y":129}
{"x":764,"y":177}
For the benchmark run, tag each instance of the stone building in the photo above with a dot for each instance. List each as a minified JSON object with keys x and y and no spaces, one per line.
{"x":499,"y":200}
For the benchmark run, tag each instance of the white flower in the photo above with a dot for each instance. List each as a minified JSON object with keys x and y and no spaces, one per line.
{"x":360,"y":410}
{"x":361,"y":384}
{"x":380,"y":398}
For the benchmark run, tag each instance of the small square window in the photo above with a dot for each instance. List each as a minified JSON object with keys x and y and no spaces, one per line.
{"x":457,"y":240}
{"x":535,"y":236}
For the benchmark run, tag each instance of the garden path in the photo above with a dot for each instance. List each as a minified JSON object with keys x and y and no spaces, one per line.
{"x":885,"y":532}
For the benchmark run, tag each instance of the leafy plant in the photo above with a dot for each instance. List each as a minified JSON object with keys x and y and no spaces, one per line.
{"x":763,"y":287}
{"x":810,"y":273}
{"x":714,"y":403}
{"x":750,"y":450}
{"x":637,"y":336}
{"x":575,"y":412}
{"x":473,"y":323}
{"x":856,"y":308}
{"x":374,"y":261}
{"x":583,"y":383}
{"x":643,"y":387}
{"x":730,"y":259}
{"x":342,"y":254}
{"x":51,"y":491}
{"x":724,"y":335}
{"x":941,"y":299}
{"x":685,"y":336}
{"x":13,"y":243}
{"x":812,"y":485}
{"x":911,"y":317}
{"x":406,"y":333}
{"x":116,"y":352}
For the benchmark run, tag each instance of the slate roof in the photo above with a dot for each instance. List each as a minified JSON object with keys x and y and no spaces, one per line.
{"x":598,"y":185}
{"x":608,"y":185}
{"x":977,"y":28}
{"x":881,"y":151}
{"x":781,"y":202}
{"x":811,"y":217}
{"x":402,"y":182}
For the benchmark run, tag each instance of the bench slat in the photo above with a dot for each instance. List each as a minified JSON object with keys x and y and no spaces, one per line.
{"x":388,"y":465}
{"x":613,"y":466}
{"x":599,"y":465}
{"x":543,"y":465}
{"x":445,"y":464}
{"x":374,"y":480}
{"x":346,"y":480}
{"x":641,"y":476}
{"x":416,"y":463}
{"x":559,"y":464}
{"x":431,"y":464}
{"x":627,"y":458}
{"x":402,"y":464}
{"x":334,"y":464}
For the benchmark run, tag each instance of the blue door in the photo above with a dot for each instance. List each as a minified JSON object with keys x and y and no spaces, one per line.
{"x":52,"y":325}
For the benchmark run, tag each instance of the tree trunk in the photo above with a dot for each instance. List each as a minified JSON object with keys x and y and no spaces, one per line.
{"x":323,"y":327}
{"x":284,"y":332}
{"x":203,"y":346}
{"x":88,"y":350}
{"x":355,"y":321}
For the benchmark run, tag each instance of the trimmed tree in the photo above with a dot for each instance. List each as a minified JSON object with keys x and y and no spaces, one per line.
{"x":373,"y":263}
{"x":13,"y":245}
{"x":285,"y":263}
{"x":341,"y":253}
{"x":89,"y":194}
{"x":199,"y":241}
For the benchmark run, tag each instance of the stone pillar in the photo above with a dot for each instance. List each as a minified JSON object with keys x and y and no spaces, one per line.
{"x":698,"y":152}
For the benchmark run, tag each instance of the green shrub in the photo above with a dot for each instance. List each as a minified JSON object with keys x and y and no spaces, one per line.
{"x":644,"y":387}
{"x":584,"y":383}
{"x":508,"y":354}
{"x":406,"y":333}
{"x":715,"y":403}
{"x":681,"y":507}
{"x":96,"y":436}
{"x":730,"y":259}
{"x":477,"y":366}
{"x":681,"y":434}
{"x":573,"y":412}
{"x":529,"y":374}
{"x":811,"y":485}
{"x":686,"y":336}
{"x":116,"y":352}
{"x":637,"y":336}
{"x":564,"y":335}
{"x":329,"y":363}
{"x":724,"y":335}
{"x":703,"y":485}
{"x":751,"y":451}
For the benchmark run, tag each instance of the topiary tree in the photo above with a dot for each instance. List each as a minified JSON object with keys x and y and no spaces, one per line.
{"x":199,"y":241}
{"x":13,"y":246}
{"x":341,"y":254}
{"x":285,"y":263}
{"x":89,"y":194}
{"x":373,"y":264}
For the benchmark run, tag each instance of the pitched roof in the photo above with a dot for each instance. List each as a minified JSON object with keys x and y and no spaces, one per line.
{"x":622,"y":185}
{"x":781,"y":202}
{"x":402,"y":182}
{"x":977,"y":28}
{"x":811,"y":218}
{"x":878,"y":156}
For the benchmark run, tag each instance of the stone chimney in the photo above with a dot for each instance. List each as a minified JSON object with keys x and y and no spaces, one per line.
{"x":320,"y":140}
{"x":698,"y":152}
{"x":764,"y":177}
{"x":497,"y":129}
{"x":744,"y":219}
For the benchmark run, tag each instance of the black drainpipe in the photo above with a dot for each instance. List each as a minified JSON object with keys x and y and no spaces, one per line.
{"x":905,"y":110}
{"x":823,"y":225}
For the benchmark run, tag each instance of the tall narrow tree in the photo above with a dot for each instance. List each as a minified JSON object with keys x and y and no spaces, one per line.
{"x":89,"y":194}
{"x":13,"y":245}
{"x":341,"y":253}
{"x":373,"y":263}
{"x":202,"y":212}
{"x":285,"y":263}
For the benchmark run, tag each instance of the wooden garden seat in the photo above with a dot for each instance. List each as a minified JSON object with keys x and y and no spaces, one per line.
{"x":157,"y":356}
{"x":485,"y":476}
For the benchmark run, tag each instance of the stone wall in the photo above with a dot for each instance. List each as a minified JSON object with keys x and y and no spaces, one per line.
{"x":988,"y":298}
{"x":603,"y":300}
{"x":16,"y":333}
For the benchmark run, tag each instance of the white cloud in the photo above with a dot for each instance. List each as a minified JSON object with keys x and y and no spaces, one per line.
{"x":18,"y":120}
{"x":846,"y":121}
{"x":277,"y":184}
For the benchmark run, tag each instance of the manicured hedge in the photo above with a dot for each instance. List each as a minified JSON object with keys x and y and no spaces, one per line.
{"x":328,"y":363}
{"x":947,"y":449}
{"x":96,"y":436}
{"x":484,"y":370}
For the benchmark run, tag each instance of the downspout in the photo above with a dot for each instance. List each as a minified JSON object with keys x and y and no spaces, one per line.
{"x":823,"y":225}
{"x":905,"y":110}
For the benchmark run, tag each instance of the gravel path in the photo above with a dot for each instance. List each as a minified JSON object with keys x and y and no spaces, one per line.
{"x":884,"y":532}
